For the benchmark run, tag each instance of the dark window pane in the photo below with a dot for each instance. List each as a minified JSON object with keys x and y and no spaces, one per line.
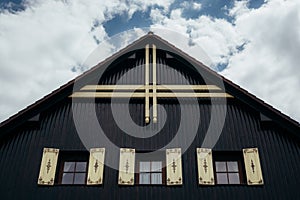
{"x":80,"y":167}
{"x":67,"y":178}
{"x":156,"y":178}
{"x":79,"y":178}
{"x":144,"y":178}
{"x":156,"y":166}
{"x":234,"y":178}
{"x":222,"y":178}
{"x":144,"y":166}
{"x":232,"y":166}
{"x":221,"y":166}
{"x":69,"y":166}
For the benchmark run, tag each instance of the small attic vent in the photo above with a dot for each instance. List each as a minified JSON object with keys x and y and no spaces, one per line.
{"x":34,"y":121}
{"x":169,"y":56}
{"x":133,"y":56}
{"x":264,"y":118}
{"x":35,"y":118}
{"x":266,"y":122}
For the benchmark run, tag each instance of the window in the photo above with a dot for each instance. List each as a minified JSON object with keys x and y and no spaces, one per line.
{"x":228,"y":168}
{"x":72,"y":168}
{"x":150,"y":169}
{"x":150,"y":172}
{"x":74,"y":173}
{"x":227,"y":172}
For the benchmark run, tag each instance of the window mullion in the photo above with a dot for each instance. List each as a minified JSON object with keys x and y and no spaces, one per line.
{"x":150,"y":172}
{"x":227,"y":172}
{"x":74,"y":173}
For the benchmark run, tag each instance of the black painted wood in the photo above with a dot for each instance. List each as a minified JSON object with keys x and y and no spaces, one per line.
{"x":21,"y":151}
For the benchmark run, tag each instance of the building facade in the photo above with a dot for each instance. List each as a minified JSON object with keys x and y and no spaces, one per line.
{"x":150,"y":122}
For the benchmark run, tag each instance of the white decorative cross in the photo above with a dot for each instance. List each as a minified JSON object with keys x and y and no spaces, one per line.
{"x":148,"y":91}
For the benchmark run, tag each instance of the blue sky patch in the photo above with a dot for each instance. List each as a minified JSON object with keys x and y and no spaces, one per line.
{"x":214,"y":9}
{"x":221,"y":66}
{"x":256,"y":3}
{"x":121,"y":23}
{"x":12,"y":5}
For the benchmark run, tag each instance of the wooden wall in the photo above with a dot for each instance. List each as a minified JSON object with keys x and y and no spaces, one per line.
{"x":21,"y":152}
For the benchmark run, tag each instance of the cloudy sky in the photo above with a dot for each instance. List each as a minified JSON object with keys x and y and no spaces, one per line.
{"x":45,"y":43}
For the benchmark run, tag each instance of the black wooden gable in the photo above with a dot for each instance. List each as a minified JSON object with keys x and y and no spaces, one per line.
{"x":130,"y":53}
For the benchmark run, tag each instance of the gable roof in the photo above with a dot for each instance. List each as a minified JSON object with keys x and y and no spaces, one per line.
{"x":64,"y":91}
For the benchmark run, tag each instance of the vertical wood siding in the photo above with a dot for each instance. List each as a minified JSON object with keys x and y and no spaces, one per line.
{"x":22,"y":152}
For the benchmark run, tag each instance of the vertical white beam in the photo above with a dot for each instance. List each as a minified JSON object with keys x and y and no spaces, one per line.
{"x":147,"y":107}
{"x":154,"y":84}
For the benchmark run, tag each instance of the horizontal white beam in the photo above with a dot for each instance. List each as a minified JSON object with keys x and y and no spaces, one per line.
{"x":143,"y":87}
{"x":143,"y":95}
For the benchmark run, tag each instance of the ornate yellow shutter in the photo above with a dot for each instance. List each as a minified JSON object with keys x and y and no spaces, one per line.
{"x":205,"y":166}
{"x":252,"y":166}
{"x":174,"y":167}
{"x":126,"y":166}
{"x":96,"y":166}
{"x":48,"y":166}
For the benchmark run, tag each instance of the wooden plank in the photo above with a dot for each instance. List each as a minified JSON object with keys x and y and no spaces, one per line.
{"x":193,"y":95}
{"x":188,"y":87}
{"x":126,"y":166}
{"x":252,"y":166}
{"x":143,"y":95}
{"x":154,"y":85}
{"x":147,"y":103}
{"x":205,"y":167}
{"x":174,"y":166}
{"x":48,"y":166}
{"x":113,"y":87}
{"x":96,"y":166}
{"x":143,"y":87}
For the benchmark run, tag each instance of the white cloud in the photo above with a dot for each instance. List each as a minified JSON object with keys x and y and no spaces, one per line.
{"x":191,"y":5}
{"x":40,"y":45}
{"x":269,"y":64}
{"x":111,"y":45}
{"x":217,"y":37}
{"x":239,"y":8}
{"x":38,"y":50}
{"x":197,"y":6}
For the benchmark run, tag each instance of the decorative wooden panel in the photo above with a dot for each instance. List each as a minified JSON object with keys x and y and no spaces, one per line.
{"x":126,"y":166}
{"x":96,"y":166}
{"x":205,"y":167}
{"x":48,"y":166}
{"x":252,"y":166}
{"x":174,"y":166}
